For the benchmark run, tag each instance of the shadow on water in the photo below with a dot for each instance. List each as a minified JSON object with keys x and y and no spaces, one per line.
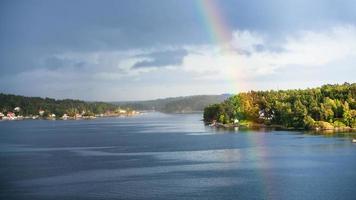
{"x":326,"y":133}
{"x":333,"y":133}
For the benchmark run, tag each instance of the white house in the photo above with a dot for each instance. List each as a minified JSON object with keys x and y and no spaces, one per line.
{"x":41,"y":112}
{"x":65,"y":117}
{"x":17,"y":109}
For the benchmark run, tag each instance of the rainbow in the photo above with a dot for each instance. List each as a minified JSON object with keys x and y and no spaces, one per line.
{"x":221,"y":35}
{"x":214,"y":22}
{"x":259,"y":154}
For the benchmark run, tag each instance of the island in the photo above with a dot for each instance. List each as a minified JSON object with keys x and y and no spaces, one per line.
{"x":329,"y":107}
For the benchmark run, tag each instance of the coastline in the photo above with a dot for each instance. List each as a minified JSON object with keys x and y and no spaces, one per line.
{"x":254,"y":126}
{"x":21,"y":118}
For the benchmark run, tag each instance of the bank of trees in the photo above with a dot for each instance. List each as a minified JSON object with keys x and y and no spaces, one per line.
{"x":325,"y":107}
{"x":32,"y":105}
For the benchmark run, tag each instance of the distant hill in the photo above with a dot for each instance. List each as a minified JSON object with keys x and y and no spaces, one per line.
{"x":186,"y":104}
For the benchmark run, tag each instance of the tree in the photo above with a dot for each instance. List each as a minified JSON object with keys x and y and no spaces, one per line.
{"x":300,"y":111}
{"x":212,"y":112}
{"x":309,"y":122}
{"x":327,"y":112}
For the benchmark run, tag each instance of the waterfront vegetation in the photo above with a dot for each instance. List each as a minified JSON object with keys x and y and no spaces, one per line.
{"x":17,"y":107}
{"x":326,"y":107}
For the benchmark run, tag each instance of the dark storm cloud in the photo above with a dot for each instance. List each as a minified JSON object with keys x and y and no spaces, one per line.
{"x":162,"y":59}
{"x":30,"y":30}
{"x":54,"y":63}
{"x":35,"y":33}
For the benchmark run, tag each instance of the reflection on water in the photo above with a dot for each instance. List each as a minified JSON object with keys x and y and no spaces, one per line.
{"x":158,"y":156}
{"x":334,"y":133}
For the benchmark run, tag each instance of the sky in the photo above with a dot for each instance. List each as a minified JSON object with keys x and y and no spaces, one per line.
{"x":117,"y":50}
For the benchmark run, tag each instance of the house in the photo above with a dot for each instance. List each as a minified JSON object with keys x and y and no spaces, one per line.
{"x":41,"y":112}
{"x":65,"y":117}
{"x":262,"y":115}
{"x":11,"y":116}
{"x":51,"y":116}
{"x":17,"y":109}
{"x":134,"y":112}
{"x":78,"y":116}
{"x":99,"y":115}
{"x":122,"y":111}
{"x":1,"y":115}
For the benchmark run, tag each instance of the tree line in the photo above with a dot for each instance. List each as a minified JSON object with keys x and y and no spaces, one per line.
{"x":32,"y":106}
{"x":324,"y":107}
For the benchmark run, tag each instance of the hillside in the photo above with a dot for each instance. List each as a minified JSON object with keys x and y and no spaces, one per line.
{"x":176,"y":104}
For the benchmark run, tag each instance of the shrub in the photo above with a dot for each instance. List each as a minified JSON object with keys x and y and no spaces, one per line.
{"x":323,"y":125}
{"x":339,"y":124}
{"x":309,"y":122}
{"x":353,"y":123}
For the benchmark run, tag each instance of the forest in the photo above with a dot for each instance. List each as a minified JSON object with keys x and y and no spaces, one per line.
{"x":186,"y":104}
{"x":326,"y":107}
{"x":32,"y":105}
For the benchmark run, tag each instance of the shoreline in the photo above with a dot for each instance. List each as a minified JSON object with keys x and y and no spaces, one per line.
{"x":255,"y":126}
{"x":20,"y":118}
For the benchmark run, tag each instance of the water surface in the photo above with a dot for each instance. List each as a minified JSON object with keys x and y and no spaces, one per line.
{"x":159,"y":156}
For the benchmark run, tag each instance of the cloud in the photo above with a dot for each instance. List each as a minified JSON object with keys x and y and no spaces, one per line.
{"x":114,"y":65}
{"x":55,"y":63}
{"x":247,"y":41}
{"x":305,"y":49}
{"x":254,"y":61}
{"x":162,"y":59}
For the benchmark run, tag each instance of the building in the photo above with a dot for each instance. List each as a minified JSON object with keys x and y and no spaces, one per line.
{"x":122,"y":111}
{"x":17,"y":109}
{"x":11,"y":116}
{"x":78,"y":116}
{"x":1,"y":115}
{"x":41,"y":112}
{"x":65,"y":117}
